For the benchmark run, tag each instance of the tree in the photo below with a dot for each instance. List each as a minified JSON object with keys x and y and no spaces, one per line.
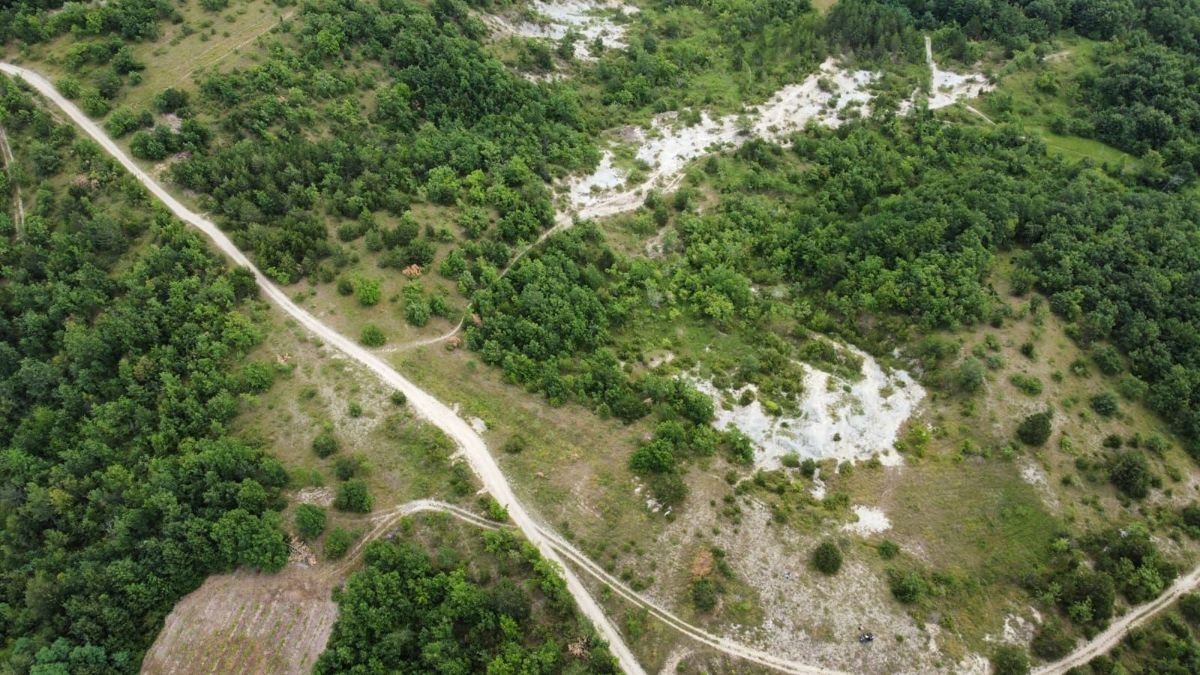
{"x":310,"y":521}
{"x":1009,"y":660}
{"x":827,"y":558}
{"x":1035,"y":429}
{"x":1130,"y":472}
{"x":354,"y":496}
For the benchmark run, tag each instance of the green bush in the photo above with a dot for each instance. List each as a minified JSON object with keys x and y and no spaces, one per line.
{"x":399,"y":398}
{"x":372,"y":336}
{"x":970,"y":375}
{"x":1130,"y":472}
{"x":907,"y":587}
{"x":368,"y":292}
{"x":310,"y":521}
{"x":337,"y":543}
{"x":353,"y":496}
{"x":1009,"y":660}
{"x":888,"y":549}
{"x":1189,"y":606}
{"x":1028,"y":384}
{"x":704,"y":595}
{"x":827,"y":558}
{"x":1051,"y":642}
{"x":325,"y":444}
{"x":1105,"y":404}
{"x":1107,"y":359}
{"x":1035,"y":429}
{"x":346,"y":468}
{"x":345,"y":286}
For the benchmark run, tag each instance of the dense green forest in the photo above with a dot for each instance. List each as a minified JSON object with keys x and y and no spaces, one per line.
{"x":120,"y":345}
{"x":502,"y":610}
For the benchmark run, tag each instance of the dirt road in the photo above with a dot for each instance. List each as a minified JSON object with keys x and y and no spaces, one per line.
{"x":1105,"y":641}
{"x":438,"y":413}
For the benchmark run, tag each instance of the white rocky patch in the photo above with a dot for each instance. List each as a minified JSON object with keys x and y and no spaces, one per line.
{"x":592,"y":19}
{"x":838,"y":419}
{"x":668,"y":144}
{"x":871,"y":520}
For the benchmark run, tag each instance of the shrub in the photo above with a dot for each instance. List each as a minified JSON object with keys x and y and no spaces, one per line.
{"x":1189,"y":606}
{"x":791,"y":460}
{"x":1009,"y":660}
{"x":337,"y":543}
{"x":1035,"y":429}
{"x":515,"y":445}
{"x":310,"y":521}
{"x":353,"y":496}
{"x":372,"y":336}
{"x":1105,"y":404}
{"x":808,"y":468}
{"x":704,"y":595}
{"x":325,"y":444}
{"x":1130,"y":472}
{"x":1028,"y":384}
{"x":827,"y":558}
{"x":1191,"y":516}
{"x":1051,"y":642}
{"x":368,"y":292}
{"x":1107,"y":359}
{"x":345,"y":286}
{"x":907,"y":587}
{"x":346,"y":468}
{"x":399,"y":398}
{"x":970,"y":375}
{"x":354,"y":409}
{"x":888,"y":549}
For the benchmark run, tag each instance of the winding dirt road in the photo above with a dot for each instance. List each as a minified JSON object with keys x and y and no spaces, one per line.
{"x":438,"y":413}
{"x":551,"y":545}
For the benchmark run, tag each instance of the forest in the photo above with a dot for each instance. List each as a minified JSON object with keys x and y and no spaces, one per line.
{"x":408,"y":612}
{"x":121,"y":339}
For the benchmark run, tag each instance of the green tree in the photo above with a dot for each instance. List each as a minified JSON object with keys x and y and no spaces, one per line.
{"x":1036,"y":428}
{"x":1009,"y":660}
{"x":325,"y":444}
{"x":827,"y":558}
{"x":310,"y":521}
{"x":338,"y":543}
{"x":354,"y":496}
{"x":372,"y":336}
{"x":1130,"y":472}
{"x":368,"y":292}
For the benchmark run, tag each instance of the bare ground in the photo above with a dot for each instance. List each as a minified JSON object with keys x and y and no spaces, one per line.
{"x":246,"y":622}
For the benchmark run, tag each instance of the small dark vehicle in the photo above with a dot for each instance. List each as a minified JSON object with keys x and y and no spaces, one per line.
{"x":866,"y":637}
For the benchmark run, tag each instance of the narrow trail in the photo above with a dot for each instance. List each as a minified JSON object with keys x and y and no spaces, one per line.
{"x":433,"y":410}
{"x":560,"y":224}
{"x":9,"y":160}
